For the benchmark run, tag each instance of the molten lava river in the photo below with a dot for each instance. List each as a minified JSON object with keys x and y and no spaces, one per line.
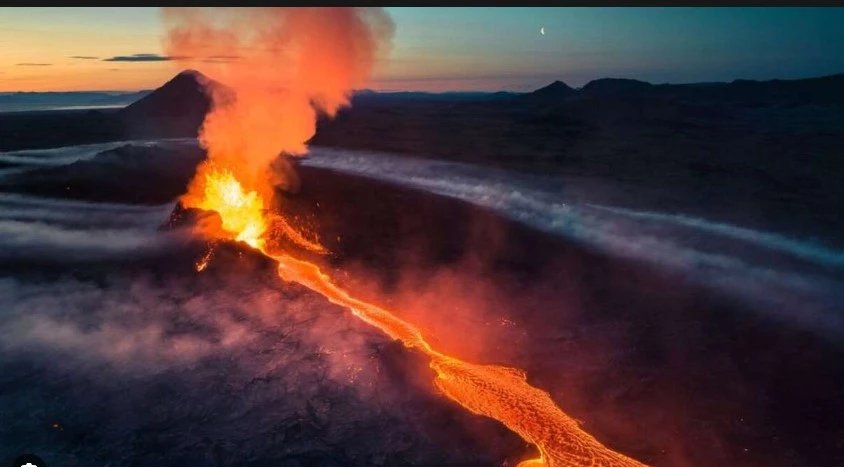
{"x":498,"y":392}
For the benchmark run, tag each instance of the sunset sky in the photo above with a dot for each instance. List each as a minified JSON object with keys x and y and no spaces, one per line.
{"x":440,"y":49}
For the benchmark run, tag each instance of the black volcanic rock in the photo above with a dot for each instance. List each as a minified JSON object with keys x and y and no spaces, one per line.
{"x":200,"y":219}
{"x":176,"y":109}
{"x":228,"y":256}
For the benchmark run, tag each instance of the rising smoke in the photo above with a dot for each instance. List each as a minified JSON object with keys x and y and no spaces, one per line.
{"x":286,"y":66}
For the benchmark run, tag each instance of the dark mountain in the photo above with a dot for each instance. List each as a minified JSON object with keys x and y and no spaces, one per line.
{"x":179,"y":106}
{"x":615,"y":87}
{"x":556,"y":91}
{"x":175,"y":109}
{"x":822,"y":90}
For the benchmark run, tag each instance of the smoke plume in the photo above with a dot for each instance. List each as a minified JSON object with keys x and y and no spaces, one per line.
{"x":284,"y":66}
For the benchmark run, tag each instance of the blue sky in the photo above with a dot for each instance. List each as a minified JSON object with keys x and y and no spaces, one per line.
{"x":463,"y":48}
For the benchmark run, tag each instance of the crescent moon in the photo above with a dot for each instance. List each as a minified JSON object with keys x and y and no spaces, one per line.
{"x":542,"y":30}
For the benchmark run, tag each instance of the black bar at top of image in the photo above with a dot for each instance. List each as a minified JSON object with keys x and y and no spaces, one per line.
{"x":438,"y":3}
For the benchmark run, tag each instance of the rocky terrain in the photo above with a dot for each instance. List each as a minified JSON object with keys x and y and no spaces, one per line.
{"x":118,"y":351}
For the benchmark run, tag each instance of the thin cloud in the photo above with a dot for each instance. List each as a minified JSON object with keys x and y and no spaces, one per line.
{"x":84,"y":57}
{"x":34,"y":64}
{"x":167,"y":58}
{"x":139,"y":58}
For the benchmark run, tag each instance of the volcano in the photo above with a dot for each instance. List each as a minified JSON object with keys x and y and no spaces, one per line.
{"x":176,"y":109}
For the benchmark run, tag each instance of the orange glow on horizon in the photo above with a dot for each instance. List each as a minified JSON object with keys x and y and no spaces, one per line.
{"x":65,"y":79}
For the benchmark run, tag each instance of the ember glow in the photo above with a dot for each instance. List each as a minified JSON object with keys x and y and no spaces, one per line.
{"x":241,"y":212}
{"x":203,"y":262}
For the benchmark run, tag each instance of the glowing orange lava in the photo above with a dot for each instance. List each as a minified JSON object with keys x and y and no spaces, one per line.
{"x":203,"y":262}
{"x":494,"y":391}
{"x":242,"y":213}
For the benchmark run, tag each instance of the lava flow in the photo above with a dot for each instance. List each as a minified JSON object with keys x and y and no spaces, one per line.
{"x":496,"y":392}
{"x":282,"y":67}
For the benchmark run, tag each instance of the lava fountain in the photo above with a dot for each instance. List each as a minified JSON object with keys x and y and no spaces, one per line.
{"x":283,"y":65}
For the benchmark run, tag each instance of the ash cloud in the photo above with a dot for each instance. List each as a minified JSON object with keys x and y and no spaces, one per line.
{"x":293,"y":64}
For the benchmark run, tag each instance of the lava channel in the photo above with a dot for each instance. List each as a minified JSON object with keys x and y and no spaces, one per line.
{"x":497,"y":392}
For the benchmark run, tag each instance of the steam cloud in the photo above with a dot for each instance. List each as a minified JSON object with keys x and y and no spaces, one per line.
{"x":293,"y":63}
{"x":238,"y":366}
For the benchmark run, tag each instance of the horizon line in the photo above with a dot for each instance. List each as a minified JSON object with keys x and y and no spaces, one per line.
{"x":502,"y":90}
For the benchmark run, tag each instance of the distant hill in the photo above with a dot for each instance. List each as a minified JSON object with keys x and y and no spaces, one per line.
{"x":177,"y":109}
{"x":179,"y":106}
{"x":555,"y":91}
{"x":182,"y":100}
{"x":823,"y":90}
{"x":368,"y":95}
{"x":606,"y":87}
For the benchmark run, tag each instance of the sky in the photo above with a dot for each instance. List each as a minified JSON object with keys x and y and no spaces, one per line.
{"x":458,"y":49}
